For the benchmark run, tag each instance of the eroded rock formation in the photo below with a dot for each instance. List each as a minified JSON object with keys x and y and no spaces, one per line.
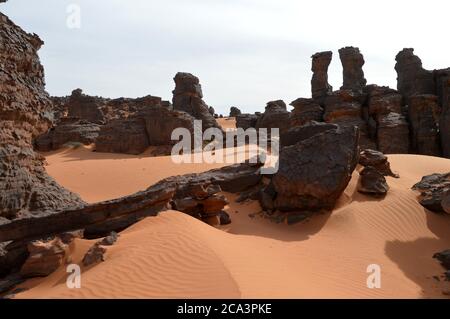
{"x":234,"y":111}
{"x":434,"y":192}
{"x":275,"y":116}
{"x":305,"y":111}
{"x":25,"y":108}
{"x":319,"y":83}
{"x":188,"y":97}
{"x":352,"y":63}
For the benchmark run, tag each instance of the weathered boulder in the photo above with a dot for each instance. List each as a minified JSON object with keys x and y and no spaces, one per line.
{"x":212,"y":111}
{"x":434,"y":192}
{"x":127,"y":136}
{"x":412,"y":78}
{"x":234,"y":111}
{"x":319,"y":83}
{"x":305,"y":111}
{"x":188,"y":97}
{"x":68,"y":130}
{"x":352,"y":63}
{"x":372,"y":182}
{"x":393,"y":134}
{"x":423,"y":113}
{"x":300,"y":133}
{"x":313,"y":173}
{"x":94,"y":255}
{"x":377,"y":160}
{"x":275,"y":116}
{"x":24,"y":114}
{"x":45,"y":257}
{"x":446,"y":201}
{"x":246,"y":121}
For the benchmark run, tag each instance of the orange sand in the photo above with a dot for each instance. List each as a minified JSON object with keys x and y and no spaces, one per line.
{"x":175,"y":255}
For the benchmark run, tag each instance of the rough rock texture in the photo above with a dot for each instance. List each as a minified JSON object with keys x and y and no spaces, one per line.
{"x":434,"y":192}
{"x":372,"y":182}
{"x":94,"y":255}
{"x":352,"y":63}
{"x":24,"y":114}
{"x":234,"y":111}
{"x":424,"y":123}
{"x":44,"y":258}
{"x":344,"y":107}
{"x":305,"y":111}
{"x":68,"y":130}
{"x":149,"y":127}
{"x":300,"y":133}
{"x":393,"y":134}
{"x":382,"y":100}
{"x":446,"y":201}
{"x":275,"y":116}
{"x":314,"y":173}
{"x":86,"y":107}
{"x":444,"y":258}
{"x":412,"y":78}
{"x":377,"y":160}
{"x":445,"y":116}
{"x":101,"y":110}
{"x":127,"y":136}
{"x":246,"y":121}
{"x":319,"y":83}
{"x":188,"y":97}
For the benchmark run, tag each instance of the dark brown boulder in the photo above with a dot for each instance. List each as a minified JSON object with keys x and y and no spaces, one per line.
{"x":372,"y":182}
{"x":352,"y":63}
{"x":94,"y":255}
{"x":446,"y":201}
{"x":393,"y":134}
{"x":246,"y":121}
{"x":188,"y":97}
{"x":423,"y":113}
{"x":25,"y":113}
{"x":313,"y":173}
{"x":275,"y":116}
{"x":127,"y":136}
{"x":444,"y":258}
{"x":300,"y":133}
{"x":434,"y":192}
{"x":68,"y":130}
{"x":305,"y":111}
{"x":319,"y":83}
{"x":377,"y":160}
{"x":234,"y":111}
{"x":412,"y":78}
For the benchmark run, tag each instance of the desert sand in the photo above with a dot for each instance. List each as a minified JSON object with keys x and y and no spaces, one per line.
{"x":175,"y":255}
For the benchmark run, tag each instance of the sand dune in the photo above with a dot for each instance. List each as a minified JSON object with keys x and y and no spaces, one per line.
{"x":174,"y":255}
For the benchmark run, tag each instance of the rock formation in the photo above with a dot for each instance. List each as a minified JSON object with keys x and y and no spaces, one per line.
{"x":188,"y":97}
{"x":149,"y":127}
{"x":82,"y":106}
{"x":444,"y":126}
{"x":300,"y":133}
{"x":393,"y":134}
{"x":68,"y":131}
{"x":25,"y":108}
{"x":305,"y":111}
{"x":372,"y":182}
{"x":424,"y":121}
{"x":319,"y":84}
{"x":275,"y":116}
{"x":434,"y":192}
{"x":246,"y":121}
{"x":412,"y":78}
{"x":234,"y":111}
{"x":377,"y":160}
{"x":352,"y":63}
{"x":302,"y":183}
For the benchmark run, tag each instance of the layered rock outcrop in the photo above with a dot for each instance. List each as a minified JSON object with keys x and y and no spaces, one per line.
{"x":188,"y":97}
{"x":275,"y":116}
{"x":434,"y":192}
{"x":68,"y":131}
{"x":352,"y":63}
{"x":305,"y":111}
{"x":319,"y":83}
{"x":25,"y":113}
{"x":246,"y":121}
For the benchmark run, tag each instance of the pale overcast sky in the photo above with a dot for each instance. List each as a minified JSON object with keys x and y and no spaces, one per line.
{"x":245,"y":52}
